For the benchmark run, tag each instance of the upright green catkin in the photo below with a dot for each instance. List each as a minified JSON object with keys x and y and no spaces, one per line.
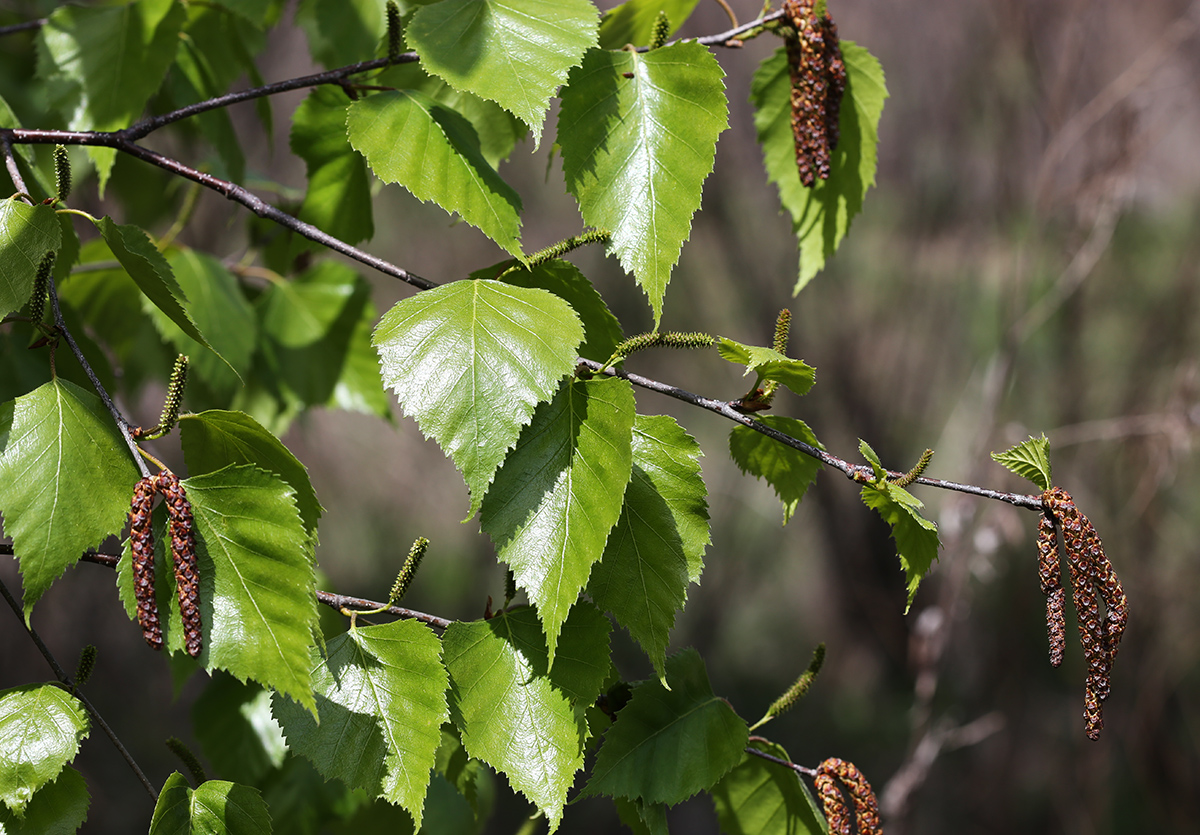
{"x":783,"y":325}
{"x":85,"y":665}
{"x":37,"y":301}
{"x":393,"y":31}
{"x":404,"y":579}
{"x":915,"y":473}
{"x":189,"y":760}
{"x":173,"y":403}
{"x":798,"y":689}
{"x":662,"y":29}
{"x":62,"y":173}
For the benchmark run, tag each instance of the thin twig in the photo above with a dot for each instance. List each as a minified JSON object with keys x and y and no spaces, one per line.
{"x":14,"y":28}
{"x":70,"y":685}
{"x":10,"y":162}
{"x":799,"y":769}
{"x":733,"y":34}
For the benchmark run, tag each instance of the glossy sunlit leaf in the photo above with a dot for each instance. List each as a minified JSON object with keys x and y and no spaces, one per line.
{"x":66,"y":476}
{"x":381,"y":703}
{"x":638,"y":133}
{"x":59,"y":808}
{"x":515,"y":52}
{"x":643,"y":576}
{"x":558,"y":494}
{"x":41,"y":726}
{"x":762,"y":798}
{"x":107,"y":61}
{"x":215,"y":439}
{"x":1029,"y":459}
{"x":821,"y":215}
{"x":439,"y":160}
{"x":514,"y":715}
{"x":338,"y":200}
{"x":470,"y":361}
{"x":236,"y":731}
{"x":257,"y":587}
{"x":915,"y":536}
{"x":666,"y":745}
{"x":27,"y":233}
{"x":632,"y":22}
{"x":769,"y":364}
{"x":217,"y":806}
{"x":788,"y":471}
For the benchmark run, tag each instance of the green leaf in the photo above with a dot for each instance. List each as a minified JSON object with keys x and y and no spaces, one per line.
{"x":1028,"y":459}
{"x":643,"y":576}
{"x":821,"y":215}
{"x":515,"y":52}
{"x":381,"y":703}
{"x":300,"y":312}
{"x":216,"y":806}
{"x":762,"y":798}
{"x":27,"y":233}
{"x":59,"y":808}
{"x":769,"y":364}
{"x":150,"y":270}
{"x":632,"y":22}
{"x":41,"y":726}
{"x":637,"y":149}
{"x":215,"y":439}
{"x":788,"y":471}
{"x":338,"y":200}
{"x":470,"y":361}
{"x":342,"y":32}
{"x":65,"y":480}
{"x":25,"y":158}
{"x":558,"y":494}
{"x":915,"y":536}
{"x":515,"y":715}
{"x":873,"y":459}
{"x":642,"y":818}
{"x":666,"y":745}
{"x":236,"y":731}
{"x":257,"y":587}
{"x":439,"y":160}
{"x":359,"y":387}
{"x":106,"y":62}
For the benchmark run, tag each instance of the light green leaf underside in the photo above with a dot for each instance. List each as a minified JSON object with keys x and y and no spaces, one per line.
{"x":41,"y":726}
{"x":514,"y":715}
{"x":470,"y":361}
{"x":514,"y":52}
{"x":666,"y":745}
{"x":558,"y":494}
{"x":217,"y":807}
{"x":59,"y":808}
{"x":761,"y":798}
{"x":632,"y":22}
{"x":788,"y":471}
{"x":438,"y":159}
{"x":27,"y":233}
{"x":636,"y":150}
{"x":257,"y":587}
{"x":821,"y":215}
{"x":915,"y":536}
{"x":663,"y":530}
{"x":381,"y":699}
{"x":769,"y":364}
{"x":66,"y":476}
{"x":1029,"y":459}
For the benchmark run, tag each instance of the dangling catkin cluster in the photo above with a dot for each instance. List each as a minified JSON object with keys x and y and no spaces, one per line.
{"x":141,"y":546}
{"x":1092,"y":580}
{"x":818,"y":77}
{"x":866,"y":809}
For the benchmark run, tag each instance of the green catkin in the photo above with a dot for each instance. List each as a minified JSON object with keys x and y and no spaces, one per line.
{"x":799,"y":687}
{"x":188,"y":759}
{"x":37,"y":301}
{"x":915,"y":473}
{"x":85,"y":665}
{"x":62,"y":173}
{"x":662,"y":29}
{"x":783,"y":325}
{"x":667,"y":339}
{"x":404,"y":579}
{"x":174,"y":401}
{"x":393,"y":31}
{"x":563,"y":247}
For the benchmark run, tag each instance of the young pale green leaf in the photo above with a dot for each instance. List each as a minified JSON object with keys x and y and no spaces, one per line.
{"x":638,"y":133}
{"x":65,"y":480}
{"x":108,"y":60}
{"x":632,"y":22}
{"x":663,"y":530}
{"x":236,"y":731}
{"x":150,"y":270}
{"x":381,"y":700}
{"x":439,"y":160}
{"x":217,"y":806}
{"x":59,"y":808}
{"x":788,"y":471}
{"x":470,"y":361}
{"x":215,"y":439}
{"x":513,"y":52}
{"x":867,"y":452}
{"x":514,"y":715}
{"x":41,"y":726}
{"x":338,"y":200}
{"x":1029,"y":459}
{"x":558,"y":494}
{"x":27,"y":233}
{"x":915,"y":536}
{"x":762,"y":798}
{"x":769,"y":364}
{"x":821,"y":215}
{"x":257,"y":587}
{"x":666,"y":745}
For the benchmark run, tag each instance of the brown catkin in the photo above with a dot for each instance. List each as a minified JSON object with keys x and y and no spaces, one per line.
{"x":866,"y":808}
{"x":1051,"y":579}
{"x":183,"y":555}
{"x":834,"y":805}
{"x":141,"y":547}
{"x":818,"y":77}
